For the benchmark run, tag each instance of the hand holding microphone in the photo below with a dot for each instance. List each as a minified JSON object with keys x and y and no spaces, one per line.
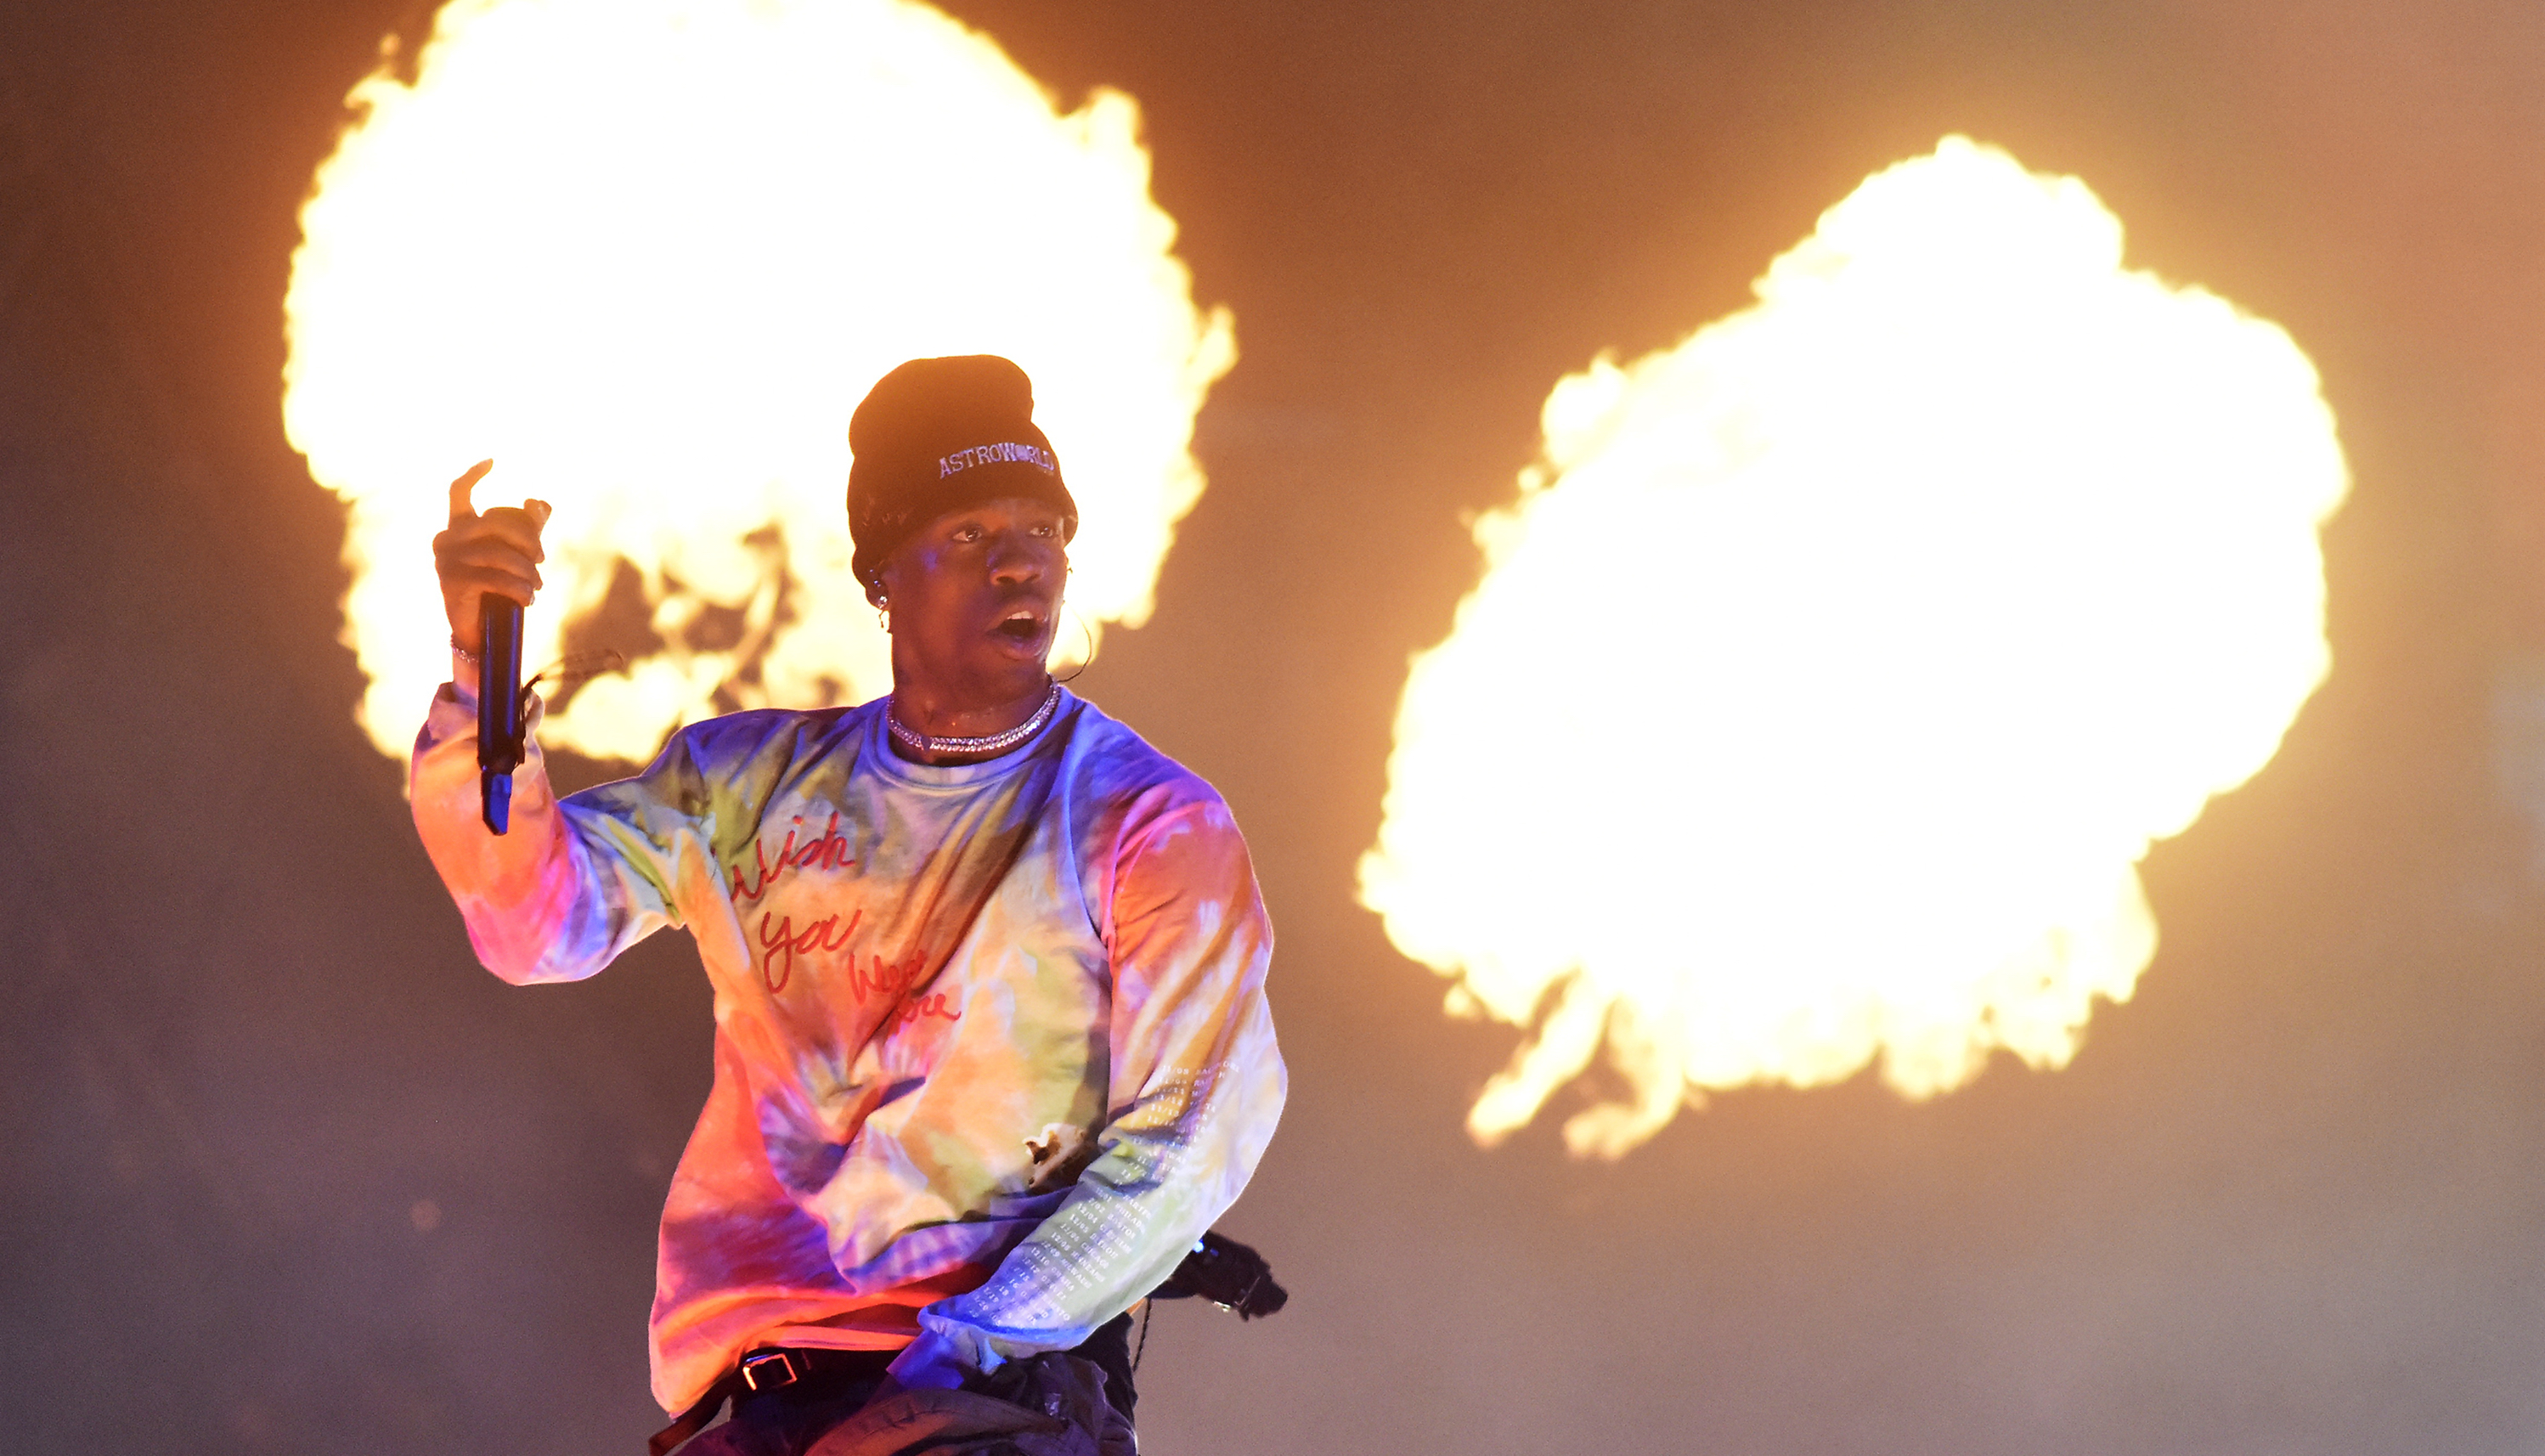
{"x":489,"y":569}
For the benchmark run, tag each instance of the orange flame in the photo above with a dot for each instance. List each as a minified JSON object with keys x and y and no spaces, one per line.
{"x":1836,"y":667}
{"x":649,"y":254}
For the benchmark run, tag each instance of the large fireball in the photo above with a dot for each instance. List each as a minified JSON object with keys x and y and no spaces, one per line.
{"x":1834,"y":669}
{"x":649,"y":254}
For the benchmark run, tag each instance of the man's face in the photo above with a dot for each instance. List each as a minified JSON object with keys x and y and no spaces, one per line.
{"x":975,"y":597}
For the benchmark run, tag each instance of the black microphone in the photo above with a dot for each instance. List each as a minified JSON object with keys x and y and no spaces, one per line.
{"x":499,"y":749}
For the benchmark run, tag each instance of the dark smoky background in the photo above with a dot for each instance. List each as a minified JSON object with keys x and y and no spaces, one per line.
{"x":286,"y":1172}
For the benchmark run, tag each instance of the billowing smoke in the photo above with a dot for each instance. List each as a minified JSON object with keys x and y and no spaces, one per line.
{"x":649,"y":254}
{"x":1834,"y":668}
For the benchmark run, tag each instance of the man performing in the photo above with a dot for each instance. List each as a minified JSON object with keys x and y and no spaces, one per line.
{"x":991,"y":1041}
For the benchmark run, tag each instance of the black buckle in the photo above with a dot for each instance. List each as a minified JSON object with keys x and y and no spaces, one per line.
{"x":771,"y":1370}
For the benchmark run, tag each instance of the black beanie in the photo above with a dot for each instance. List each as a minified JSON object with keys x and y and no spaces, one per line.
{"x":938,"y":435}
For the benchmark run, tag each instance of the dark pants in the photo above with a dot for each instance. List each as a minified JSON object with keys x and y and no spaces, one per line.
{"x":789,"y":1420}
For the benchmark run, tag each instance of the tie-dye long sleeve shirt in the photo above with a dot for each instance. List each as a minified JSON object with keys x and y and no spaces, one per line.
{"x":991,"y":1041}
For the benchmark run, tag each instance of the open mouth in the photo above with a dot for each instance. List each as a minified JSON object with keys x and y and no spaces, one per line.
{"x":1020,"y":627}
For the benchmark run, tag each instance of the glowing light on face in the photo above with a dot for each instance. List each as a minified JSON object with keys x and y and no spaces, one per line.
{"x":1836,"y":667}
{"x":649,"y":254}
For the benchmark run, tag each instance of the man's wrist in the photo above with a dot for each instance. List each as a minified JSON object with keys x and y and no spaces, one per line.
{"x":463,"y":670}
{"x":931,"y":1362}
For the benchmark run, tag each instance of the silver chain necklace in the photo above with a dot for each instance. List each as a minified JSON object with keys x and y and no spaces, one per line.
{"x":921,"y":743}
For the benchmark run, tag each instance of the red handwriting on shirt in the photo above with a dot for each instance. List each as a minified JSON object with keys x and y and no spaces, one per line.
{"x":879,"y":977}
{"x":778,"y":951}
{"x":870,"y":977}
{"x":934,"y":1004}
{"x":830,"y":851}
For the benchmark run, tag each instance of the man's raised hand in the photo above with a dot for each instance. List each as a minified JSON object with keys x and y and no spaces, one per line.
{"x":497,"y":553}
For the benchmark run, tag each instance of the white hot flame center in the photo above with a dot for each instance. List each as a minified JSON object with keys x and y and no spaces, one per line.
{"x":1836,"y":668}
{"x":649,"y":254}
